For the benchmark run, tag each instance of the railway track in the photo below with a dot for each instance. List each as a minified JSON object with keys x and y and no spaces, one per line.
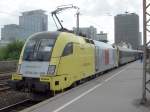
{"x":4,"y":78}
{"x":4,"y":87}
{"x":7,"y":72}
{"x":18,"y":106}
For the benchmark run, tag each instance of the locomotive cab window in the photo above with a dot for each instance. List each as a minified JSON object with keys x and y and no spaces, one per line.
{"x":68,"y":49}
{"x":39,"y":48}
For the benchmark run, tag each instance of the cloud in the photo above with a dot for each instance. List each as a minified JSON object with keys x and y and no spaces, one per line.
{"x":95,"y":7}
{"x":113,"y":7}
{"x":98,"y":13}
{"x":127,"y":5}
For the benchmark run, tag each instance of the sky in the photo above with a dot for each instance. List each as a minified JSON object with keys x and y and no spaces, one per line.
{"x":98,"y":13}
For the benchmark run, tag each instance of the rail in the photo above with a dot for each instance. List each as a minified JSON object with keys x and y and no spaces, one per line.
{"x":3,"y":82}
{"x":18,"y":106}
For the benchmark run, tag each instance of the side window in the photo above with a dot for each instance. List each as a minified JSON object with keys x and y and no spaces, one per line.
{"x":91,"y":41}
{"x":87,"y":40}
{"x":68,"y":49}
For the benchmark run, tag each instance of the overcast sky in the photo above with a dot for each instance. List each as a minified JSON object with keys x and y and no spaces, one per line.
{"x":98,"y":13}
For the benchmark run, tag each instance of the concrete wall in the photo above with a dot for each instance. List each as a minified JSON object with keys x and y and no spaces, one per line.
{"x":8,"y":66}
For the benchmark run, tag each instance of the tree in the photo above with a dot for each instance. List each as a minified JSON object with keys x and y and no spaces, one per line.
{"x":12,"y":50}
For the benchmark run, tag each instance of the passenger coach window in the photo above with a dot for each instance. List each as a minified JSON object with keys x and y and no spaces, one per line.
{"x":68,"y":49}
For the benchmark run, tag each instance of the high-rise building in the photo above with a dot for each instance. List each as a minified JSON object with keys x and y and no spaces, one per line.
{"x":140,"y":38}
{"x":4,"y":43}
{"x":30,"y":22}
{"x":127,"y":29}
{"x":33,"y":21}
{"x":11,"y":32}
{"x":89,"y":32}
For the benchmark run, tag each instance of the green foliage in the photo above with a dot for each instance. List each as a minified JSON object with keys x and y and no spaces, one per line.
{"x":2,"y":53}
{"x":11,"y":51}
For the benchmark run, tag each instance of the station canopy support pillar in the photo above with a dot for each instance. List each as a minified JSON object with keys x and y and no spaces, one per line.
{"x":146,"y":61}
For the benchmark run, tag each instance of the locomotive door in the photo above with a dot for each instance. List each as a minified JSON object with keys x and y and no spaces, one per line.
{"x":70,"y":64}
{"x":66,"y":64}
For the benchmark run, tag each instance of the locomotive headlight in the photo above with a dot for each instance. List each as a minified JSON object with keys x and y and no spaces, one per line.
{"x":51,"y":69}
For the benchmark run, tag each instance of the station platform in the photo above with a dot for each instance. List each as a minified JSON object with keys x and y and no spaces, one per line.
{"x":119,"y":90}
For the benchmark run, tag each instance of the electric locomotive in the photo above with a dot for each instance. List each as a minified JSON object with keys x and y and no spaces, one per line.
{"x":53,"y":61}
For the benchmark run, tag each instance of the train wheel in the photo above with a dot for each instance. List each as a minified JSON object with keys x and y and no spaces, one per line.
{"x":74,"y":84}
{"x":78,"y":82}
{"x":39,"y":96}
{"x":52,"y":93}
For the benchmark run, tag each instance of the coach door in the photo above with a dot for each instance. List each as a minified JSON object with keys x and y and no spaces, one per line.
{"x":97,"y":58}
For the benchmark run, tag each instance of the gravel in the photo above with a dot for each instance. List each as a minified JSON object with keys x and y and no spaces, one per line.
{"x":11,"y":97}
